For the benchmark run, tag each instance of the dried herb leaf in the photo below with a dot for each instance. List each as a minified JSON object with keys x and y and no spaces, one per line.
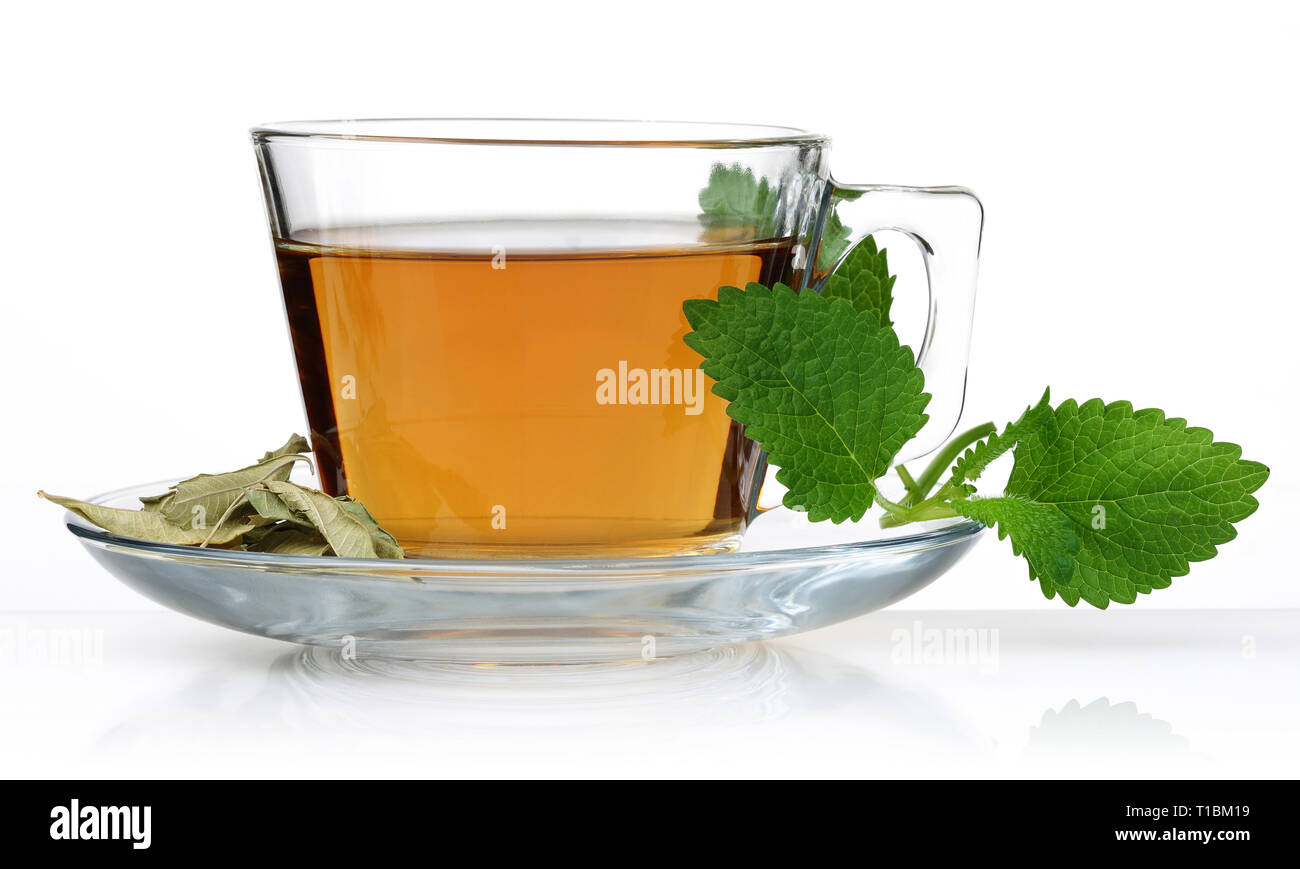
{"x":347,"y":536}
{"x":272,"y":506}
{"x":386,"y":545}
{"x":155,"y":503}
{"x":255,"y":508}
{"x":295,"y":445}
{"x":148,"y":525}
{"x":204,"y":499}
{"x":268,"y":505}
{"x":288,"y":540}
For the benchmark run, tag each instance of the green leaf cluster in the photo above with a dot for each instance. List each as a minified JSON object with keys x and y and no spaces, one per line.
{"x":1104,"y":502}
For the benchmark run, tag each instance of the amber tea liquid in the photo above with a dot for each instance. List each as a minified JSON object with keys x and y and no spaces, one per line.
{"x":523,"y":401}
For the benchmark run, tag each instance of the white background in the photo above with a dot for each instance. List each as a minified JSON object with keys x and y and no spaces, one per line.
{"x":1137,"y":164}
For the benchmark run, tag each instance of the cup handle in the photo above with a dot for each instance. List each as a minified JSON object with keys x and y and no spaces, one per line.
{"x":946,"y":223}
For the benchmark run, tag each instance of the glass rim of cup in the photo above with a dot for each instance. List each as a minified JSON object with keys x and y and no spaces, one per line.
{"x":572,"y":132}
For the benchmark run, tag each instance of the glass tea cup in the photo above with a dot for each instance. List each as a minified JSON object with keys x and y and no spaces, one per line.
{"x":487,"y":317}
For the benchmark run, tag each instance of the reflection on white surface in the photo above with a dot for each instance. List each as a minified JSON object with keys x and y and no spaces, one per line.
{"x":735,"y":687}
{"x":1118,"y":728}
{"x":1122,"y":693}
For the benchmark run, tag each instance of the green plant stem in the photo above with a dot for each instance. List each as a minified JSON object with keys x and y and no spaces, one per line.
{"x":940,"y":464}
{"x":890,"y":508}
{"x":908,"y":482}
{"x":935,"y":507}
{"x":936,"y":511}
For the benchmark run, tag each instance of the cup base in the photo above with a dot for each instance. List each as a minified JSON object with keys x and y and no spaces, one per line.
{"x":704,"y":544}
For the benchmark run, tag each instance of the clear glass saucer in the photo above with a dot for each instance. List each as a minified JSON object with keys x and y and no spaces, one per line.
{"x":790,"y":576}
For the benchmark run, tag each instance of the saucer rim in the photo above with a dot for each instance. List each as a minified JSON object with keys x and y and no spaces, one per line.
{"x":649,"y":567}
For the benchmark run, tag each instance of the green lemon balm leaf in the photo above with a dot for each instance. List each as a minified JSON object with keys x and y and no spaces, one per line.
{"x":1104,"y":502}
{"x":973,"y":462}
{"x":1042,"y":534}
{"x":827,"y":391}
{"x":737,"y":198}
{"x":836,"y":238}
{"x":864,"y":280}
{"x":1146,"y":494}
{"x":734,"y":197}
